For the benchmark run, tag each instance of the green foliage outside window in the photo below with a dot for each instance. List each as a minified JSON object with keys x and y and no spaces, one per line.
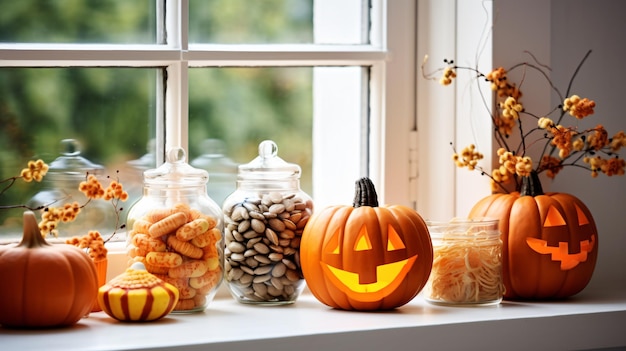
{"x":112,"y":110}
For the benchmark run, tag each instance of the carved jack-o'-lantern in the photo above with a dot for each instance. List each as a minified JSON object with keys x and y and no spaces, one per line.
{"x":556,"y":227}
{"x":365,"y":257}
{"x":550,"y":241}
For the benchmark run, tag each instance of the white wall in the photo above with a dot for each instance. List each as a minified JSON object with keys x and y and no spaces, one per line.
{"x":598,"y":25}
{"x":558,"y":33}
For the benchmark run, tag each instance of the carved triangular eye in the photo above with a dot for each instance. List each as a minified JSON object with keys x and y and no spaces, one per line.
{"x":363,"y":241}
{"x":553,"y":218}
{"x":394,"y":242}
{"x":582,"y":219}
{"x":333,"y":244}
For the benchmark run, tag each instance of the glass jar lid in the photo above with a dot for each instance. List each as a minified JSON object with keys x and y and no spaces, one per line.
{"x":175,"y":172}
{"x":268,"y":165}
{"x":71,"y":165}
{"x":148,"y":160}
{"x":214,"y":159}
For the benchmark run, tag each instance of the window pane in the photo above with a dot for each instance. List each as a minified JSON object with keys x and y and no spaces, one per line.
{"x":108,"y":111}
{"x":70,"y":21}
{"x":244,"y":21}
{"x":277,"y":21}
{"x":341,"y":132}
{"x":244,"y":106}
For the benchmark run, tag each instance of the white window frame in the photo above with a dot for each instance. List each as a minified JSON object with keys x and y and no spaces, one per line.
{"x":390,"y":57}
{"x":437,"y":189}
{"x":458,"y":30}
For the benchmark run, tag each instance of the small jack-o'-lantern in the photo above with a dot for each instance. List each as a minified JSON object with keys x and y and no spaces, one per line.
{"x":550,"y":241}
{"x":366,"y":257}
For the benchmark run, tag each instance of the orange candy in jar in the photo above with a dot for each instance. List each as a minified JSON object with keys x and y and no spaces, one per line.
{"x":175,"y":230}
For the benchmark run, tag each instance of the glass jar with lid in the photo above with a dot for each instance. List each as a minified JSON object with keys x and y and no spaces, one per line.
{"x":467,"y":263}
{"x":263,"y":223}
{"x":222,"y":170}
{"x":61,"y":186}
{"x":175,"y":229}
{"x":132,"y":174}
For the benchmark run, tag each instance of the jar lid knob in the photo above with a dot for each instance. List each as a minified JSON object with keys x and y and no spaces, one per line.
{"x":70,"y":147}
{"x":268,"y":149}
{"x":176,"y":155}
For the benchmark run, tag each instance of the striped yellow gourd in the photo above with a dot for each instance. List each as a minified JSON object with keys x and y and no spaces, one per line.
{"x":137,"y":296}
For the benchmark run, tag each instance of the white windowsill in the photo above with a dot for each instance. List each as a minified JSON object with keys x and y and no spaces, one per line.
{"x":590,"y":320}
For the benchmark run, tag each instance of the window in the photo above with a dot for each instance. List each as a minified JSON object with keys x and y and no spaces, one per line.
{"x":333,"y":83}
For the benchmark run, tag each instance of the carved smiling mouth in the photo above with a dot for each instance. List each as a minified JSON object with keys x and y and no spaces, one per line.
{"x":561,"y":252}
{"x":389,"y":276}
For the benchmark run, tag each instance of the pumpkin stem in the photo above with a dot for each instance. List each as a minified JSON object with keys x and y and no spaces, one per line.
{"x":365,"y":193}
{"x":531,"y":186}
{"x":32,"y":237}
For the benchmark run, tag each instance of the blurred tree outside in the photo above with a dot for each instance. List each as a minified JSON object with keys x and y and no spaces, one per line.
{"x":107,"y":109}
{"x":244,"y":106}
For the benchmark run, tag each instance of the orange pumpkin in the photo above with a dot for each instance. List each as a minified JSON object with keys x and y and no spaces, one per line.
{"x":44,"y":285}
{"x":550,"y":241}
{"x":366,"y":257}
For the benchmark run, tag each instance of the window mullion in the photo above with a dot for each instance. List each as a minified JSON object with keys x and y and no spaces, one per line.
{"x":392,"y":105}
{"x":176,"y":92}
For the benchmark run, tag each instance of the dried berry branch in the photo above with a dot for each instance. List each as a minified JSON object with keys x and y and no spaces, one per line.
{"x":35,"y":170}
{"x":93,"y":190}
{"x":92,"y":242}
{"x":592,"y":146}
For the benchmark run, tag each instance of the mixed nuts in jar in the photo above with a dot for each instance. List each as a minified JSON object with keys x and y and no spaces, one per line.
{"x":263,"y":223}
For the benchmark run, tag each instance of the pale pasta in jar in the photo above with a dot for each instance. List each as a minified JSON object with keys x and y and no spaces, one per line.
{"x":467,"y":263}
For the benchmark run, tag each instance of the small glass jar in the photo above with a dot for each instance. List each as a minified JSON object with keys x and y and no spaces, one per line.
{"x":131,"y":175}
{"x":263,"y":223}
{"x":467,"y":263}
{"x":61,"y":186}
{"x":175,"y":229}
{"x":222,"y":170}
